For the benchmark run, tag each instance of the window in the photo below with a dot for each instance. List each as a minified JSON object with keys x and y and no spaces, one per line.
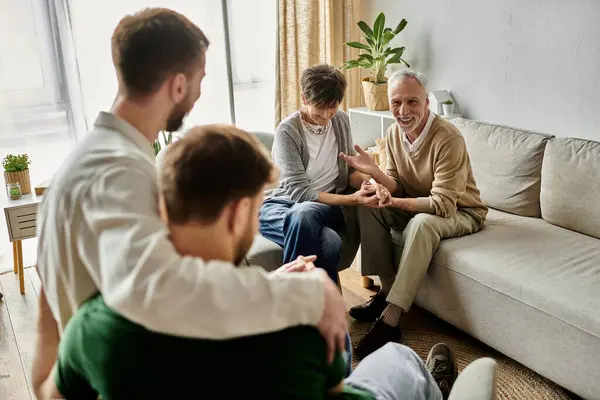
{"x":253,"y":41}
{"x":33,"y":112}
{"x":33,"y":117}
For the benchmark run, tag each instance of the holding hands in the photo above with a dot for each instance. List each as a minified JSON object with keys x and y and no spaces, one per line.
{"x":373,"y":195}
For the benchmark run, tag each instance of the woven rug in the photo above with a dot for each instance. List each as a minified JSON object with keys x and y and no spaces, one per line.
{"x":422,"y":330}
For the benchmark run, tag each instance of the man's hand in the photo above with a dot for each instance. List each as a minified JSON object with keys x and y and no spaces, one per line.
{"x":366,"y":196}
{"x":362,"y":161}
{"x":383,"y":194}
{"x":333,"y":325}
{"x":300,"y":264}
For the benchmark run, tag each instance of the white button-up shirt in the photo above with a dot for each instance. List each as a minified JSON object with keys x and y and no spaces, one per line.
{"x":99,"y":230}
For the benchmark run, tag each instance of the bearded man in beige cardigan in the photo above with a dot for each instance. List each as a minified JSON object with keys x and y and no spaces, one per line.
{"x":433,"y":197}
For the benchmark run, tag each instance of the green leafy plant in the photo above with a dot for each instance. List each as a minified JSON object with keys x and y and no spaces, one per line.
{"x":448,"y":102}
{"x":378,"y":54}
{"x":167,"y":140}
{"x":14,"y":192}
{"x":15,"y":163}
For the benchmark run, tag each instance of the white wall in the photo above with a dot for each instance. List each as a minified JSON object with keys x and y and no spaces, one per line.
{"x":532,"y":64}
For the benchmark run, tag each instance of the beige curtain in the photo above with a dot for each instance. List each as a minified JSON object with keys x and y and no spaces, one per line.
{"x":313,"y":32}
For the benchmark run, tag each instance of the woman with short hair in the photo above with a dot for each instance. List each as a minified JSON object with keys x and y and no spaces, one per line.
{"x":303,"y":214}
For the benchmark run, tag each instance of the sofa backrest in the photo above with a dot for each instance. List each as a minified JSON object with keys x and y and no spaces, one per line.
{"x":571,"y":185}
{"x":265,"y":138}
{"x":507,"y":165}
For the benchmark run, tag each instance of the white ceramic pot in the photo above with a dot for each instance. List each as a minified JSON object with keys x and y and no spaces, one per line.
{"x":448,"y":109}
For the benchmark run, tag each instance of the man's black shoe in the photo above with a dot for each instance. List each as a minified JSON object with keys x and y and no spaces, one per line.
{"x":371,"y":310}
{"x":379,"y":334}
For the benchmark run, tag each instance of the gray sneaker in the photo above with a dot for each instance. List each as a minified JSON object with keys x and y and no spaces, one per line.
{"x":442,"y":366}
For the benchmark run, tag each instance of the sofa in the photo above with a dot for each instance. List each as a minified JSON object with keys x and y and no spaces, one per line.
{"x":528,"y":284}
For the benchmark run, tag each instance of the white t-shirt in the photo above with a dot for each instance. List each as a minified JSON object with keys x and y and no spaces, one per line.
{"x":322,"y":169}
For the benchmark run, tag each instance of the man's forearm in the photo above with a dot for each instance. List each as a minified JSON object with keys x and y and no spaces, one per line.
{"x":387,"y":181}
{"x":219,"y":301}
{"x":413,"y":205}
{"x":48,"y":389}
{"x":46,"y":349}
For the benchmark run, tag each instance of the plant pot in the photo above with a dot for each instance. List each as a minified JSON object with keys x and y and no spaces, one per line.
{"x":376,"y":97}
{"x":448,"y":109}
{"x":22,"y":177}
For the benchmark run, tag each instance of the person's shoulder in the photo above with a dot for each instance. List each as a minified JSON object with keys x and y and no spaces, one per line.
{"x":444,"y":128}
{"x":288,"y":125}
{"x":342,"y":116}
{"x":445,"y":132}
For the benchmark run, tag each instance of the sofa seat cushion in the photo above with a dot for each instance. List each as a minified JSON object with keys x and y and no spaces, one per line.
{"x":507,"y":165}
{"x":552,"y":269}
{"x":264,"y":253}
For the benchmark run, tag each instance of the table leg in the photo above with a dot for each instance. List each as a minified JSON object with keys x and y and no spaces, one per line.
{"x":15,"y":257}
{"x":21,"y":271}
{"x":367,"y":282}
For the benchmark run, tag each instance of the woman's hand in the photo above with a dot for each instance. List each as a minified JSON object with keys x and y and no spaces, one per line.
{"x":366,"y":196}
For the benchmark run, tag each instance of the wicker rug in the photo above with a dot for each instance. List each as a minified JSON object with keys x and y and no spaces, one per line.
{"x":422,"y":330}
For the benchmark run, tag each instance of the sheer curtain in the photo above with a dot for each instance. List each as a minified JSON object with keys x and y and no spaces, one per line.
{"x":313,"y":32}
{"x":35,"y":109}
{"x":93,"y":23}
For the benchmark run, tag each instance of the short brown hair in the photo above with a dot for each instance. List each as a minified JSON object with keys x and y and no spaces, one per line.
{"x":209,"y":167}
{"x":153,"y":43}
{"x":323,"y":85}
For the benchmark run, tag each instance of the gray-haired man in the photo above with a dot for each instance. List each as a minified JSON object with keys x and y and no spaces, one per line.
{"x":434,"y":197}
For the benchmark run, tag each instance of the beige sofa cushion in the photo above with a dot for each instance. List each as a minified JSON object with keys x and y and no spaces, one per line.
{"x":571,"y":184}
{"x":551,"y":269}
{"x":507,"y":165}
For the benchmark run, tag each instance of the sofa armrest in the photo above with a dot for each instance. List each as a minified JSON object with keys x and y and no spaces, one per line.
{"x":477,"y":381}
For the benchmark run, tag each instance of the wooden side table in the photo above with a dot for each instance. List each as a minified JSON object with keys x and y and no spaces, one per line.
{"x":21,"y":218}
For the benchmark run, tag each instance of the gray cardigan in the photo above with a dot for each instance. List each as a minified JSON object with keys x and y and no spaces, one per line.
{"x":290,"y":154}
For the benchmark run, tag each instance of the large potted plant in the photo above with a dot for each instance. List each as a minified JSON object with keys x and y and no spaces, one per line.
{"x":16,"y":170}
{"x":377,"y":56}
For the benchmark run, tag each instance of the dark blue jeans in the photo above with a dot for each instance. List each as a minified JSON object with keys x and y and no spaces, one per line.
{"x":305,"y":229}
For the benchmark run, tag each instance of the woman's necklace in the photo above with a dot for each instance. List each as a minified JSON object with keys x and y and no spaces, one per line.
{"x":315,"y":129}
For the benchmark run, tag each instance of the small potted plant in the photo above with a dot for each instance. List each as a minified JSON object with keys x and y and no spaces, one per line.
{"x":448,"y":107}
{"x":377,"y":56}
{"x":16,"y":170}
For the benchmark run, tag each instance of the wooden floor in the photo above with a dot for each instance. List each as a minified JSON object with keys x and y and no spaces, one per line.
{"x":17,"y":334}
{"x":17,"y":328}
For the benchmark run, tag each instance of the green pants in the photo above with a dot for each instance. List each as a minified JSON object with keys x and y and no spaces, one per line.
{"x":383,"y":229}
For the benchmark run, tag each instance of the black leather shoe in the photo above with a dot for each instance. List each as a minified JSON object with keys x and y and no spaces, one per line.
{"x":379,"y":334}
{"x":371,"y":310}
